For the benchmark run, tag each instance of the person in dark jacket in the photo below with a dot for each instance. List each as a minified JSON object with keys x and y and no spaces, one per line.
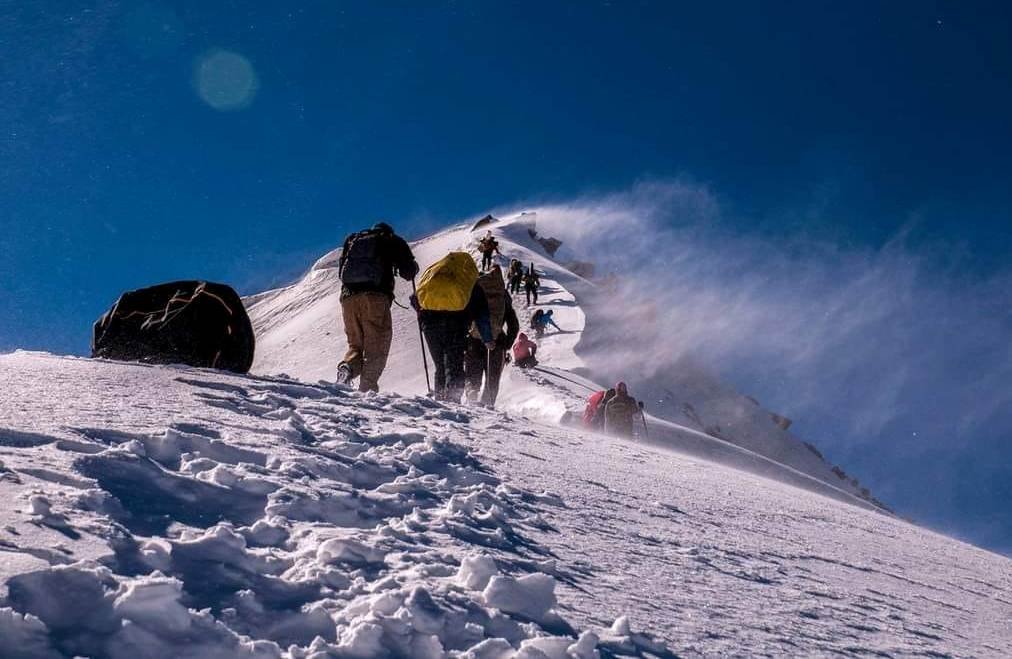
{"x":541,"y":320}
{"x":446,"y":336}
{"x":515,"y":276}
{"x":369,"y":260}
{"x":480,"y":361}
{"x":531,"y":285}
{"x":489,"y":247}
{"x":620,"y":412}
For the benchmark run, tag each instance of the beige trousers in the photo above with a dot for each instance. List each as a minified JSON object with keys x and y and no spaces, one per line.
{"x":369,"y":328}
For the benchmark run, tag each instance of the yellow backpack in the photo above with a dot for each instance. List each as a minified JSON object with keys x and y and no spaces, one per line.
{"x":446,"y":284}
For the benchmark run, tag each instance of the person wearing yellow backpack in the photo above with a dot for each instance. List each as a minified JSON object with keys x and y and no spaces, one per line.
{"x":448,"y":300}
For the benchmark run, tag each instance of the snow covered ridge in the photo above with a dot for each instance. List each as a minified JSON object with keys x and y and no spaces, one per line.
{"x":300,"y":333}
{"x":162,"y":512}
{"x":176,"y":512}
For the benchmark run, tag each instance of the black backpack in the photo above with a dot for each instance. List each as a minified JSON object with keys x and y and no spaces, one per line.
{"x":365,"y":261}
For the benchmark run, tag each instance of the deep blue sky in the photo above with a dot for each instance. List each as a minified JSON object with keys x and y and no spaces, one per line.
{"x":845,"y":121}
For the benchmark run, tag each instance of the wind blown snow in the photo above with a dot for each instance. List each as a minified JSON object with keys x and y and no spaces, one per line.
{"x":178,"y":512}
{"x":891,"y":352}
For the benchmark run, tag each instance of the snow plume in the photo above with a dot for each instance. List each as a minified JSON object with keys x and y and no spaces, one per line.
{"x":868,"y":346}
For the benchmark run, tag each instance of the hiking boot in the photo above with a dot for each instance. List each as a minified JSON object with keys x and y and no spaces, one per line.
{"x":343,"y":373}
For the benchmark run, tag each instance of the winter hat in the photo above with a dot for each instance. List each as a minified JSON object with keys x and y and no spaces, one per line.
{"x":621,"y":388}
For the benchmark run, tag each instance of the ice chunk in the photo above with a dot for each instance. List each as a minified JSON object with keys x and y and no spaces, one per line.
{"x":585,"y":647}
{"x":40,"y":505}
{"x":153,"y":603}
{"x":363,"y":639}
{"x":493,"y":648}
{"x":531,"y":596}
{"x":547,"y":647}
{"x":476,"y":571}
{"x":24,"y":636}
{"x":347,"y":550}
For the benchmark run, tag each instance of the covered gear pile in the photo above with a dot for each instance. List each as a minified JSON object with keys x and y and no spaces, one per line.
{"x":197,"y":323}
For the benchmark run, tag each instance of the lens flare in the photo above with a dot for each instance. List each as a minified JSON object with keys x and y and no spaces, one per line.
{"x":226,"y":80}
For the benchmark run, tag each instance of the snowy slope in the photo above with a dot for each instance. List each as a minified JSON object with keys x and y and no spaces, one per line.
{"x":176,"y":512}
{"x":300,"y":334}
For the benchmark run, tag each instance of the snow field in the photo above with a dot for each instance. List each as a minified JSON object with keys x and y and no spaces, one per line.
{"x":279,"y":519}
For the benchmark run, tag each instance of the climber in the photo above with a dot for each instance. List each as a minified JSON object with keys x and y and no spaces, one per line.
{"x":597,"y":421}
{"x":366,"y":267}
{"x":488,"y":246}
{"x":531,"y":285}
{"x":541,"y":320}
{"x":590,"y":411}
{"x":481,"y":361}
{"x":448,"y":300}
{"x":525,"y":352}
{"x":620,"y":412}
{"x":515,"y":276}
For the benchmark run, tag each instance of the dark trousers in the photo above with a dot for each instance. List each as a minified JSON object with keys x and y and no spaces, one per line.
{"x":446,"y":337}
{"x":515,"y":284}
{"x":531,"y":290}
{"x":486,"y":260}
{"x":479,"y":361}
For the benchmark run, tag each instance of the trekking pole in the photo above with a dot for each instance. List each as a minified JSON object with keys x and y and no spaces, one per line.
{"x":643,"y":418}
{"x":421,"y":339}
{"x":488,"y":370}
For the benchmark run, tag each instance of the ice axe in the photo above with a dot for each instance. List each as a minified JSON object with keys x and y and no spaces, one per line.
{"x":643,"y":418}
{"x":421,"y":339}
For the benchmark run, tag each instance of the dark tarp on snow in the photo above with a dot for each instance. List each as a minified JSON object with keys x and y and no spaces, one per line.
{"x":197,"y":323}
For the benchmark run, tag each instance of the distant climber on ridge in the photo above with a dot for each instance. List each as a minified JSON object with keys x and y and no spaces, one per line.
{"x":488,"y":246}
{"x":480,"y":360}
{"x":541,"y":320}
{"x":515,"y":276}
{"x":525,"y":352}
{"x":531,"y":285}
{"x":619,"y":412}
{"x":367,"y":265}
{"x":448,"y":300}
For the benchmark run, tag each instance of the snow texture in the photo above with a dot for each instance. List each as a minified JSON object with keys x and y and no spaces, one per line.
{"x":176,"y":512}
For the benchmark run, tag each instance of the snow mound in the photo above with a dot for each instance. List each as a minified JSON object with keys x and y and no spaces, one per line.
{"x":279,"y":519}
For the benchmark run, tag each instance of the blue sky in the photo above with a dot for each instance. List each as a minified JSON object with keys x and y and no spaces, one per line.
{"x":237,"y":141}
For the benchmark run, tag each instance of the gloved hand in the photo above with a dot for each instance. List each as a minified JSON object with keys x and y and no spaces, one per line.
{"x":490,"y":346}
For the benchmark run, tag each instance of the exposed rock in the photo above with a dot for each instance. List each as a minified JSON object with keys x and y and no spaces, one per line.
{"x":485,"y":221}
{"x":781,"y":421}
